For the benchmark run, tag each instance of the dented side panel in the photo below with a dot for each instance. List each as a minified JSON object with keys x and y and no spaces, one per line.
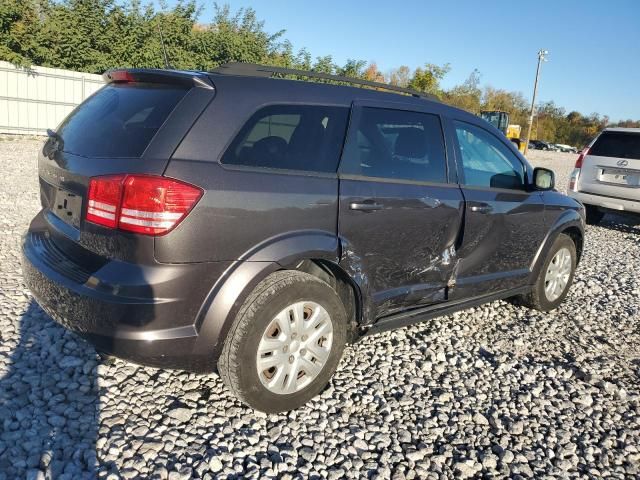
{"x":403,"y":255}
{"x":498,"y":246}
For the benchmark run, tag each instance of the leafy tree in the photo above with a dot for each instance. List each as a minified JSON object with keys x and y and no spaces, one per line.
{"x":20,"y":31}
{"x":428,"y":79}
{"x":95,"y":35}
{"x":400,"y":76}
{"x":372,"y":73}
{"x":467,"y":96}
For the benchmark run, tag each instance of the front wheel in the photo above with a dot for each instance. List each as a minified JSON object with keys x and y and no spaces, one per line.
{"x":555,"y":276}
{"x":285,"y":343}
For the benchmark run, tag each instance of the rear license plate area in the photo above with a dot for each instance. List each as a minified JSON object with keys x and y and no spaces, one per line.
{"x":620,"y":177}
{"x":67,"y":207}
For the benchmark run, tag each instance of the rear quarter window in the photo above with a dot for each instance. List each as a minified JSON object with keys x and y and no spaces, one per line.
{"x":119,"y":120}
{"x":617,"y":144}
{"x":293,"y":137}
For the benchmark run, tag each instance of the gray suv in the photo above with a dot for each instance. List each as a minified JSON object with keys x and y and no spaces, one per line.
{"x":252,"y":225}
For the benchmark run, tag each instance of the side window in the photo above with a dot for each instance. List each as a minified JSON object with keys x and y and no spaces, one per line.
{"x":486,"y":161}
{"x":297,"y":137}
{"x":396,"y":144}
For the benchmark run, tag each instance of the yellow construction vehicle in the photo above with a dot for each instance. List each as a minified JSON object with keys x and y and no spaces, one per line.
{"x":500,"y":120}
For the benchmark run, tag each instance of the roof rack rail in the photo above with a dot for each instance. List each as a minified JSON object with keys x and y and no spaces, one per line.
{"x":256,"y":70}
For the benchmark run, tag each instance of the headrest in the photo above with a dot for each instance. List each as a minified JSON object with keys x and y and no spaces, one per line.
{"x":268,"y":149}
{"x":411,"y":142}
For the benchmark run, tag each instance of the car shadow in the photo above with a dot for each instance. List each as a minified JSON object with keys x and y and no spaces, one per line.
{"x":49,"y":401}
{"x":621,"y":223}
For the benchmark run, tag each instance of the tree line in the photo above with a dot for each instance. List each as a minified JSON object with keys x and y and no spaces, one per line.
{"x":95,"y":35}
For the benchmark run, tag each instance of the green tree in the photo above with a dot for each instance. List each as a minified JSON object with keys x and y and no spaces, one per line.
{"x":95,"y":35}
{"x":427,"y":79}
{"x":467,"y":96}
{"x":20,"y":31}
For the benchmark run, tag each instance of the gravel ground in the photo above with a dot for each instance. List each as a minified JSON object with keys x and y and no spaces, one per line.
{"x":492,"y":391}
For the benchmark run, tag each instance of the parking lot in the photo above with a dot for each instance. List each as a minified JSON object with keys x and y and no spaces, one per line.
{"x":496,"y":390}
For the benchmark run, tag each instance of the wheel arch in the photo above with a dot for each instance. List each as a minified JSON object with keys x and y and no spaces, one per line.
{"x":313,"y":252}
{"x":577,"y":235}
{"x":569,"y":223}
{"x":348,"y":291}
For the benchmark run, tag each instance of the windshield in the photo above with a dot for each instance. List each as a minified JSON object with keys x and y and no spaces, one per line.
{"x":497,"y":119}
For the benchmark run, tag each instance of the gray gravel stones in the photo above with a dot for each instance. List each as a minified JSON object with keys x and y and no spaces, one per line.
{"x":493,"y":391}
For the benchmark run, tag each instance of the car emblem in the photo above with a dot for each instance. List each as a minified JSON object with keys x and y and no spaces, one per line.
{"x":622,"y":163}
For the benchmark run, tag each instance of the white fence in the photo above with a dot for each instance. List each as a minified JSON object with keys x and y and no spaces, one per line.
{"x":36,"y":98}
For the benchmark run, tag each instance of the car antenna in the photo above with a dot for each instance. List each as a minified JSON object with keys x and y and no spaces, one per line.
{"x":164,"y":49}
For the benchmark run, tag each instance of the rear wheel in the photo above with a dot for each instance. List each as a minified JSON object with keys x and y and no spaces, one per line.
{"x":285,"y":343}
{"x":555,"y":277}
{"x":594,"y":214}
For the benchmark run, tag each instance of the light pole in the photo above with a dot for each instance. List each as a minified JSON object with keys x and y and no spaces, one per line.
{"x":542,"y":57}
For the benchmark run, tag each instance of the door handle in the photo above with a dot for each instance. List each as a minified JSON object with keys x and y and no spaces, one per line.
{"x":481,"y":208}
{"x":365,"y":206}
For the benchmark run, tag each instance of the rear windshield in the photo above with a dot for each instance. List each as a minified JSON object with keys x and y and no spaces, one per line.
{"x":119,"y":120}
{"x":617,"y":144}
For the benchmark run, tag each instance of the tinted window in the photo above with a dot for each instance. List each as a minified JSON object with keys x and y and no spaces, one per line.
{"x":119,"y":120}
{"x":297,"y":137}
{"x":396,"y":144}
{"x":617,"y":144}
{"x":486,"y":161}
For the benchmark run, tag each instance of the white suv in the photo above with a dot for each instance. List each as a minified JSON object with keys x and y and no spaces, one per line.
{"x":607,"y":174}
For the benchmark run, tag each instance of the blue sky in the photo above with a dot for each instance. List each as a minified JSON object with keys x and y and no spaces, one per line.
{"x":594,"y":61}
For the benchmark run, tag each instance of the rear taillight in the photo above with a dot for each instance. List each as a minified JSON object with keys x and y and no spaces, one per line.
{"x":580,"y":159}
{"x":144,"y":204}
{"x":105,"y":194}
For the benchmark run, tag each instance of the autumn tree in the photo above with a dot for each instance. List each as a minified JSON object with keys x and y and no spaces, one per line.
{"x":467,"y":96}
{"x":95,"y":35}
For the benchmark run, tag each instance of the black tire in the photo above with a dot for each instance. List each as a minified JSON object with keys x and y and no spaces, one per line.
{"x":537,"y":298}
{"x":237,"y":364}
{"x":594,"y":214}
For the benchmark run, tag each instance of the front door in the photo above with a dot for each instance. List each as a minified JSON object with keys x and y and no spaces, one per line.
{"x":504,"y":221}
{"x":399,"y":217}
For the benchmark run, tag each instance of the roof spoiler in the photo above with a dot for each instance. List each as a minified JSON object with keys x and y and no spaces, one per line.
{"x":154,"y":75}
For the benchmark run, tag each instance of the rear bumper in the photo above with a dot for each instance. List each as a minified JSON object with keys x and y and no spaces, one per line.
{"x":143,"y":313}
{"x":609,"y":203}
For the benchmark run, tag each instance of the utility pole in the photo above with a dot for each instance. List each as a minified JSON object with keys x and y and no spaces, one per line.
{"x":541,"y":58}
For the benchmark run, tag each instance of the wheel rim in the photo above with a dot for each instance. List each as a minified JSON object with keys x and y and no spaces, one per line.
{"x":558,"y":273}
{"x":294,"y":348}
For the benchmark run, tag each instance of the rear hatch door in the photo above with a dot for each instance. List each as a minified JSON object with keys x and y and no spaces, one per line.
{"x":612,"y":165}
{"x":132,"y":125}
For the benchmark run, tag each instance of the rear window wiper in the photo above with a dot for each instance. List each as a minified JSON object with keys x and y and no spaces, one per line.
{"x":55,"y":143}
{"x":53,"y":134}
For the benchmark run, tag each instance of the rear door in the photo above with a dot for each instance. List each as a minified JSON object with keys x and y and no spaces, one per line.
{"x":399,"y":217}
{"x":612,"y":166}
{"x":504,"y":222}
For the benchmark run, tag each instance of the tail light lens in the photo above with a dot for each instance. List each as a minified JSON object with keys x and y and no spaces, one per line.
{"x":144,"y":204}
{"x":580,"y":159}
{"x":104,"y":199}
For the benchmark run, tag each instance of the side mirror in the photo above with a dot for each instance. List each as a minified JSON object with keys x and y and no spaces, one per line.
{"x":544,"y":179}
